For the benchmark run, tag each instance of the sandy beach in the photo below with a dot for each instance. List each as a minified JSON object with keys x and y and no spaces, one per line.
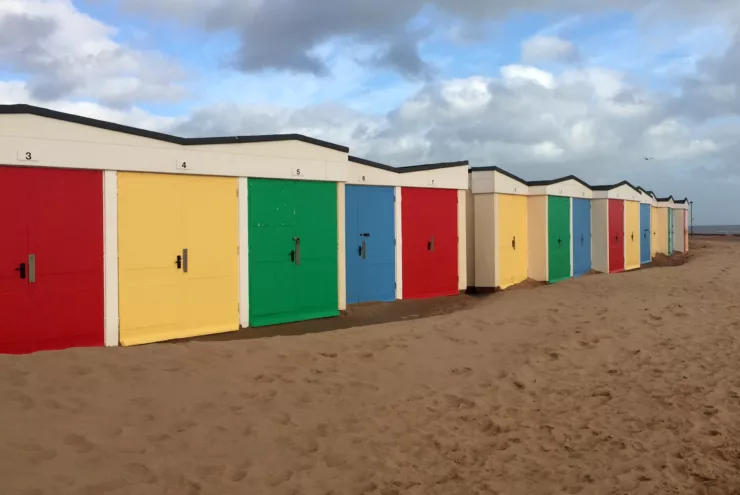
{"x":625,"y":383}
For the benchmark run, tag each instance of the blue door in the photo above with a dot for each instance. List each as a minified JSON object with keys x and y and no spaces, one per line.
{"x":581,"y":236}
{"x":645,"y":238}
{"x":371,"y":244}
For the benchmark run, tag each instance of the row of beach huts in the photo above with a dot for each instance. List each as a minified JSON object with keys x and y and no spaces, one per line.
{"x":114,"y":235}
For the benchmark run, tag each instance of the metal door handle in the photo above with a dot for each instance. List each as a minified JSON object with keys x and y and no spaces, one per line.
{"x":178,"y":262}
{"x":31,"y":268}
{"x":292,"y":256}
{"x":513,"y":242}
{"x":633,"y":236}
{"x":297,"y":250}
{"x":430,"y":245}
{"x":364,"y":250}
{"x":22,"y":269}
{"x":365,"y":235}
{"x":185,"y":260}
{"x":581,"y":239}
{"x":359,"y":251}
{"x":559,"y":241}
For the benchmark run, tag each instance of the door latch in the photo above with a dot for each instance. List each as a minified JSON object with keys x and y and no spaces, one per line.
{"x":513,"y":242}
{"x":297,"y":252}
{"x":178,"y":262}
{"x":22,"y":270}
{"x":559,"y":241}
{"x":430,"y":245}
{"x":364,"y":250}
{"x":185,"y":260}
{"x":633,"y":236}
{"x":581,"y":239}
{"x":31,"y":268}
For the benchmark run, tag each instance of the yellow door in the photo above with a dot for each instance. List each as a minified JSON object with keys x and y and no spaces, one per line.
{"x":163,"y":217}
{"x":632,"y":235}
{"x":512,"y":239}
{"x":662,"y":231}
{"x":210,"y":299}
{"x":654,"y":229}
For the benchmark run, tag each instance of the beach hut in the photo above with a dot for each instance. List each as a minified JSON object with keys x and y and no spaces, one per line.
{"x":685,"y":205}
{"x":501,"y":228}
{"x":680,"y":225}
{"x":560,"y":211}
{"x":646,"y":231}
{"x":173,"y":237}
{"x":615,"y":220}
{"x":405,"y":230}
{"x":666,"y":206}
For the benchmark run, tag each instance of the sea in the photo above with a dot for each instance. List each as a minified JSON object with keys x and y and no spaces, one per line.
{"x":717,"y":229}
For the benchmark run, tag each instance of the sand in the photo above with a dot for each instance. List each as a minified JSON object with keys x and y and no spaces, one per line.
{"x":625,"y":383}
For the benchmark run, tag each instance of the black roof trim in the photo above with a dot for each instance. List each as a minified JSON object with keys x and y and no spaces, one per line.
{"x":134,"y":131}
{"x":412,"y":168}
{"x":614,"y":186}
{"x":555,"y":181}
{"x":649,"y":193}
{"x":499,"y":170}
{"x":669,"y":198}
{"x":681,"y":201}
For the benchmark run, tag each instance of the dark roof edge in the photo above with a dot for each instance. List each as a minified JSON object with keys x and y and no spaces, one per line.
{"x":669,"y":198}
{"x":681,"y":201}
{"x":369,"y":163}
{"x":555,"y":181}
{"x":614,"y":186}
{"x":405,"y":170}
{"x":159,"y":136}
{"x":494,"y":168}
{"x":432,"y":166}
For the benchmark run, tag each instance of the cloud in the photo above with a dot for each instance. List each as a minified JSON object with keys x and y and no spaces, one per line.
{"x":67,"y":54}
{"x":549,"y":49}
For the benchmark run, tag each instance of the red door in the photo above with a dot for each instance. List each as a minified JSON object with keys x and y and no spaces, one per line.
{"x":616,"y":235}
{"x":58,"y":217}
{"x":429,"y":230}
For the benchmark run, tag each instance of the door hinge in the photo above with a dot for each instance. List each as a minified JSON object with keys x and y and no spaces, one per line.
{"x":394,"y":242}
{"x":395,"y":285}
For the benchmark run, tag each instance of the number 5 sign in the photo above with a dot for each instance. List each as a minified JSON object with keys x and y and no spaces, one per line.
{"x":298,"y":172}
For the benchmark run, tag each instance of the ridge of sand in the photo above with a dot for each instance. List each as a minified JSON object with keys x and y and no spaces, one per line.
{"x":626,"y":383}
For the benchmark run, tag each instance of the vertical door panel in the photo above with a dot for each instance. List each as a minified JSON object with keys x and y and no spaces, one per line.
{"x":15,"y":333}
{"x":670,"y":231}
{"x":291,"y":281}
{"x":209,"y":301}
{"x":512,"y":239}
{"x":645,"y":234}
{"x":632,"y":235}
{"x":66,"y":237}
{"x":558,"y":238}
{"x":616,"y":235}
{"x":353,"y":197}
{"x":429,"y":242}
{"x":653,"y":231}
{"x":370,"y":221}
{"x":149,"y":241}
{"x":317,"y":284}
{"x":581,"y":236}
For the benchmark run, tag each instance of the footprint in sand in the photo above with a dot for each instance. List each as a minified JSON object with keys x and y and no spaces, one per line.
{"x":78,"y":443}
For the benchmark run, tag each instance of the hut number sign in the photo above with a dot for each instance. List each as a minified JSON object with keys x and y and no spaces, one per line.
{"x":26,"y":156}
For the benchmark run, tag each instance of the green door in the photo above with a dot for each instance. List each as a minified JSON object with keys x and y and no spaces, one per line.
{"x":558,"y":227}
{"x":292,"y":251}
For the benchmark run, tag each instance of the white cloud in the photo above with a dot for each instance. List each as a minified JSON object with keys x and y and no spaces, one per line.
{"x":522,"y":74}
{"x":548,"y":49}
{"x":68,"y":54}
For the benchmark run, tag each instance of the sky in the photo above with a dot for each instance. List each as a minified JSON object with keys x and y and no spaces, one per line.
{"x":640,"y":90}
